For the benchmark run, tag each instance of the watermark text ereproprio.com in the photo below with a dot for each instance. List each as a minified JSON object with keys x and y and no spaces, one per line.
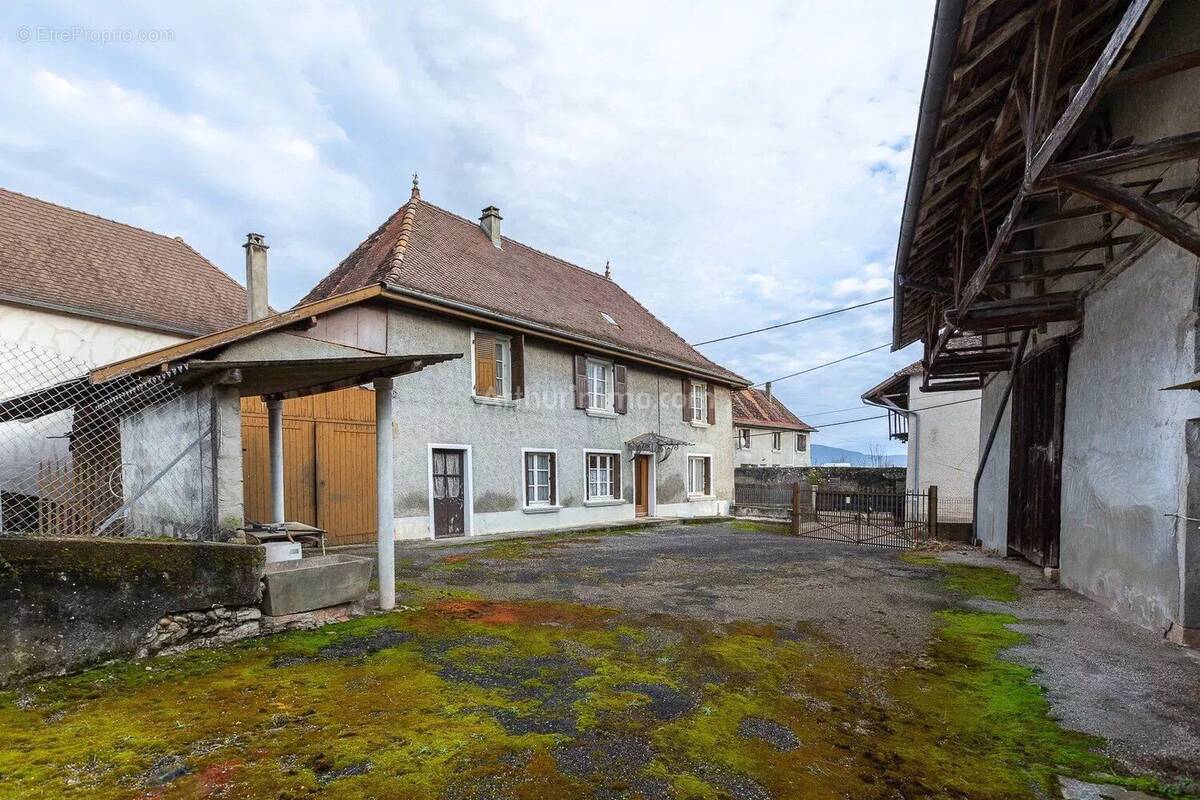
{"x":82,"y":33}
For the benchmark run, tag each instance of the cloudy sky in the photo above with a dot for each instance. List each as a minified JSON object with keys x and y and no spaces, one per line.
{"x":740,"y":164}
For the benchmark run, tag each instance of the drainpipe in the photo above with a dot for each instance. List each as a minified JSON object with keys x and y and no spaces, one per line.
{"x":987,"y":448}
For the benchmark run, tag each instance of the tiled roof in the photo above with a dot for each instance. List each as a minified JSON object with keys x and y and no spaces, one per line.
{"x":57,"y":256}
{"x":430,"y":250}
{"x":751,"y":407}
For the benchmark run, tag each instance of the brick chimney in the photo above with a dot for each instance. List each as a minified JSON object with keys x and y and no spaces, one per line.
{"x":768,"y":391}
{"x":256,"y":277}
{"x":490,"y":222}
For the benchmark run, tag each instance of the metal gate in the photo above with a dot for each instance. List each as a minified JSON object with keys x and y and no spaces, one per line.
{"x":876,"y":519}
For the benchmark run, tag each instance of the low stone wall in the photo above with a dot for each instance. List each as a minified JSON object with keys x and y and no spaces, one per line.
{"x":69,"y":603}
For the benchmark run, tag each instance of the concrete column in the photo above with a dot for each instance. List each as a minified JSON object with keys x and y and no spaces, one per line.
{"x":385,"y":489}
{"x":275,"y":441}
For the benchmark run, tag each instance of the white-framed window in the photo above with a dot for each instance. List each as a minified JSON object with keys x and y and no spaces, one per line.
{"x":603,"y":476}
{"x":776,"y":441}
{"x":541,"y":479}
{"x":599,"y":385}
{"x":699,"y":476}
{"x":699,"y":402}
{"x":801,"y":442}
{"x":744,"y":438}
{"x":492,"y":365}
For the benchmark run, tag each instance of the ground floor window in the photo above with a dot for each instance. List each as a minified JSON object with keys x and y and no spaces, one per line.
{"x":801,"y":442}
{"x":744,"y":438}
{"x":603,"y":476}
{"x":700,"y":475}
{"x":776,"y":441}
{"x":540,"y":478}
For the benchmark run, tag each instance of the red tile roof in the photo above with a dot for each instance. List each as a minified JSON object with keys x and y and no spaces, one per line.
{"x":56,"y":256}
{"x":751,"y":407}
{"x":428,"y":249}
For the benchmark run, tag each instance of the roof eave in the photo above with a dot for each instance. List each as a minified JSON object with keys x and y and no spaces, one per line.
{"x":947,"y":20}
{"x":405,"y":294}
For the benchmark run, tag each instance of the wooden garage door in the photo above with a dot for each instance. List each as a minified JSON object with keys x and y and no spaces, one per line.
{"x":329,"y":462}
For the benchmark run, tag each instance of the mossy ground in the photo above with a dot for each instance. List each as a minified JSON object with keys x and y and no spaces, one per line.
{"x":465,"y":697}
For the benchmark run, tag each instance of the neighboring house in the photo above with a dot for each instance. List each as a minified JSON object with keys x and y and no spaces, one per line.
{"x":941,"y":430}
{"x":94,"y":290}
{"x":767,"y":433}
{"x":1061,"y":226}
{"x":535,"y":394}
{"x":79,"y":291}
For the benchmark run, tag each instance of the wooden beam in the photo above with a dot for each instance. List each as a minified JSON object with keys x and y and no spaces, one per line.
{"x":993,"y":41}
{"x":951,"y":386}
{"x":1050,"y":274}
{"x":1082,"y":212}
{"x":1045,"y":87}
{"x":1155,"y":69}
{"x":1066,"y":249}
{"x":1027,"y":312}
{"x":1160,"y":151}
{"x":1135,"y":208}
{"x":1128,"y":31}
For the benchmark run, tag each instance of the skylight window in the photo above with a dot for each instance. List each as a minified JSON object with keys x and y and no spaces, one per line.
{"x":608,"y":318}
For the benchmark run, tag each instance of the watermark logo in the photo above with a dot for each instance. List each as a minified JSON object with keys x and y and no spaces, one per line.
{"x":81,"y":33}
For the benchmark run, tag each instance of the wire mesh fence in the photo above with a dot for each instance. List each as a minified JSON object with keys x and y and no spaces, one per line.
{"x":114,"y":459}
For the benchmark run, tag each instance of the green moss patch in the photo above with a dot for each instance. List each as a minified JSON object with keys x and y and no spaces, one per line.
{"x":987,"y":582}
{"x":551,"y":700}
{"x":750,"y":526}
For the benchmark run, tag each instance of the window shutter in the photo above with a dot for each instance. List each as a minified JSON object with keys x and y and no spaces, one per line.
{"x":687,"y":399}
{"x":712,"y":405}
{"x":485,"y":365}
{"x":525,"y":475}
{"x":517,"y":366}
{"x":707,"y":475}
{"x":580,"y":381}
{"x":619,"y":404}
{"x":553,"y":458}
{"x":617,"y":464}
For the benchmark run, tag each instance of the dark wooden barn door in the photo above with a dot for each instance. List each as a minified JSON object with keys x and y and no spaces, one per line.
{"x":448,"y":493}
{"x":1035,"y":460}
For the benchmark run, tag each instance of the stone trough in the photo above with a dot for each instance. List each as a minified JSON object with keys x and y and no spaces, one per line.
{"x":293,"y":587}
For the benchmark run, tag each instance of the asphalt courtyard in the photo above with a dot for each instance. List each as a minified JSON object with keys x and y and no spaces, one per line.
{"x":704,"y":661}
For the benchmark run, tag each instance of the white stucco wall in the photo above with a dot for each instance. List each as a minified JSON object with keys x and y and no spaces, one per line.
{"x":943,"y":444}
{"x":90,"y":341}
{"x":762,"y":453}
{"x":1125,"y":464}
{"x":435,"y":407}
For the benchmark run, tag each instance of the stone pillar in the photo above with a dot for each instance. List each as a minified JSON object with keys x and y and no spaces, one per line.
{"x":275,"y":442}
{"x":385,"y":489}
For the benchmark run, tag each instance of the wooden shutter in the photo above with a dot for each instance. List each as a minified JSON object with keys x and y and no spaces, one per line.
{"x":619,"y":404}
{"x":687,"y":399}
{"x":712,"y":405}
{"x":517,"y":366}
{"x":581,"y":381}
{"x":553,"y":479}
{"x":485,"y":365}
{"x":708,"y":462}
{"x":617,"y":463}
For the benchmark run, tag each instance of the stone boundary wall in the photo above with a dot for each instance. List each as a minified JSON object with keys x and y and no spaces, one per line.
{"x":71,"y":603}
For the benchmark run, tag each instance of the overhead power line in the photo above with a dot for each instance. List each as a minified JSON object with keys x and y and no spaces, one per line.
{"x":793,"y":322}
{"x":826,"y":364}
{"x":866,"y":419}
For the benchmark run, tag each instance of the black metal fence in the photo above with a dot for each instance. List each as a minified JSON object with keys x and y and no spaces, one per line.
{"x":876,"y":519}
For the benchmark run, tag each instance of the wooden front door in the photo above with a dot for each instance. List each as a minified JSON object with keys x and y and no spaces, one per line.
{"x":1035,"y":457}
{"x":449,"y":493}
{"x":641,"y":485}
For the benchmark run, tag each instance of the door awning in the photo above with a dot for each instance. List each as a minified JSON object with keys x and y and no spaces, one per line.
{"x":656,"y":443}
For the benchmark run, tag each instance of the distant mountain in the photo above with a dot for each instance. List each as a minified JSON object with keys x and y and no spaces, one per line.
{"x":821,"y":454}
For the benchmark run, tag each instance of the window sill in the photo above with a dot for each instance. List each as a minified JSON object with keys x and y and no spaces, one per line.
{"x":695,"y":497}
{"x":696,"y":424}
{"x":602,"y":413}
{"x":541,"y":509}
{"x":502,"y":402}
{"x":605,"y":501}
